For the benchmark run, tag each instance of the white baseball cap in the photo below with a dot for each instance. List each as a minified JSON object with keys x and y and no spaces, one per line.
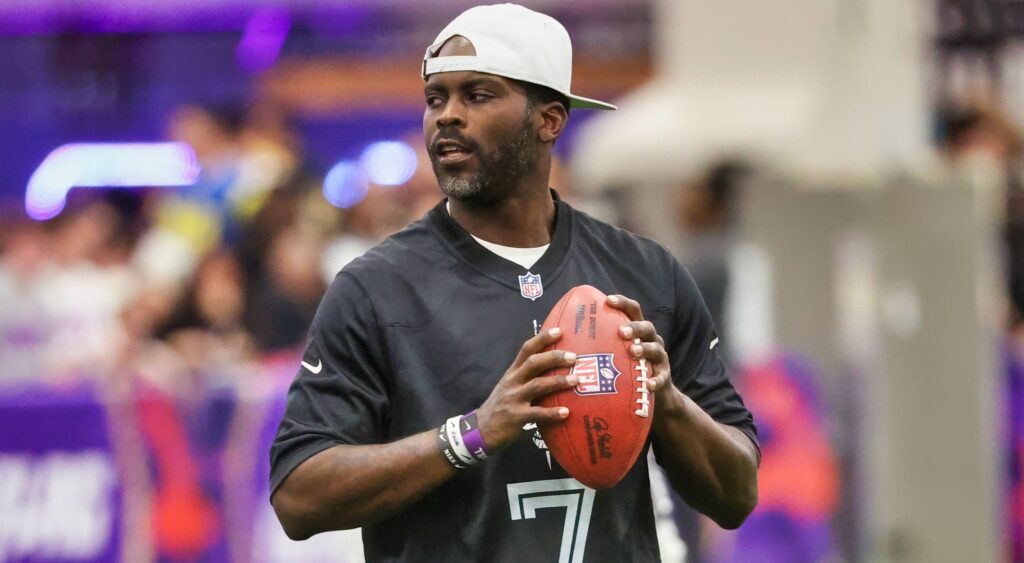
{"x":514,"y":42}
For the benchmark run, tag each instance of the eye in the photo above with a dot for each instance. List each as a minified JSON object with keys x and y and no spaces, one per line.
{"x":479,"y":97}
{"x":434,"y":101}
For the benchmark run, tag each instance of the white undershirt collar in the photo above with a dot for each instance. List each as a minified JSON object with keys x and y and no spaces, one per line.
{"x":525,"y":257}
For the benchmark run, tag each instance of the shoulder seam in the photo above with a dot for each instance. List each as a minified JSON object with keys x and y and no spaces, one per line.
{"x":382,"y":325}
{"x":369,"y":298}
{"x":381,"y":334}
{"x":638,"y":239}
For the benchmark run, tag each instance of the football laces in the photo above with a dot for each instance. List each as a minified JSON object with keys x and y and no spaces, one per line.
{"x":644,"y":399}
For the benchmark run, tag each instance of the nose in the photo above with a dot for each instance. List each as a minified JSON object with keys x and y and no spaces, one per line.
{"x":452,"y":115}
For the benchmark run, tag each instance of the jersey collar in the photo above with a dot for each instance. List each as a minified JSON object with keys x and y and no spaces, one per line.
{"x":460,"y":242}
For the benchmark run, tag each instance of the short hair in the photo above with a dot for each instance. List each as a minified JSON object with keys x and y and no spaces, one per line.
{"x":724,"y":179}
{"x":537,"y":95}
{"x":956,"y":122}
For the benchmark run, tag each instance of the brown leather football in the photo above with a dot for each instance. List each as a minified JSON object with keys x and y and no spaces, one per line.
{"x":610,"y":408}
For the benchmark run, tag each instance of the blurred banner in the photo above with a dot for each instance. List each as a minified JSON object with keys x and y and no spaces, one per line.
{"x":143,"y":475}
{"x":794,"y":516}
{"x":61,"y":493}
{"x":1013,"y":495}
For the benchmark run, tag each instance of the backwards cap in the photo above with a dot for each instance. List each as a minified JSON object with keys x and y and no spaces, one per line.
{"x":514,"y":42}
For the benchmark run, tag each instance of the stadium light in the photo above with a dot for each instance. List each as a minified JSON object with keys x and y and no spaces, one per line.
{"x":345,"y":184}
{"x":389,"y":163}
{"x":106,"y":165}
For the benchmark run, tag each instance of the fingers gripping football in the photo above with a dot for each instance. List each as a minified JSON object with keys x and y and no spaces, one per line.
{"x":540,"y":386}
{"x":651,"y":345}
{"x":654,"y":352}
{"x":509,"y":406}
{"x":626,"y":305}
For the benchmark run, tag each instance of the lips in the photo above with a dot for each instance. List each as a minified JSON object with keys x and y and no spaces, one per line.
{"x":450,"y":151}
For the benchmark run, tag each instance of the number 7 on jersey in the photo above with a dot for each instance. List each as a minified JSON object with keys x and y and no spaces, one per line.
{"x":525,"y":499}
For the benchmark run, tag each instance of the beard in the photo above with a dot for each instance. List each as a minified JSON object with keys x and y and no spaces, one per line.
{"x":499,"y":172}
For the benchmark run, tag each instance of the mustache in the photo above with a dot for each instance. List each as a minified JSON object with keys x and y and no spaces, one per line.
{"x":452,"y":136}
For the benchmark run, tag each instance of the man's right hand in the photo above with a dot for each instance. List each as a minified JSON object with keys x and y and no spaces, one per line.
{"x":348,"y":486}
{"x":510,"y":405}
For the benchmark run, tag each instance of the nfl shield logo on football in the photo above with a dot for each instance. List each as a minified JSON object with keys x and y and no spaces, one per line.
{"x":530,"y":286}
{"x":597,"y":374}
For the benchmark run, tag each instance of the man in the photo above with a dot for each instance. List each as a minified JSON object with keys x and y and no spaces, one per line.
{"x":706,"y":213}
{"x":441,"y":319}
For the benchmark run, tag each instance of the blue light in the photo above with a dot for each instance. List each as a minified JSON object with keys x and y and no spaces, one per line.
{"x":106,"y":165}
{"x":345,"y":185}
{"x":389,"y":163}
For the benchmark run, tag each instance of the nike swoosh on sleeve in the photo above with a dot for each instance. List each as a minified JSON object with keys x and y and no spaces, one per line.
{"x":313,"y":369}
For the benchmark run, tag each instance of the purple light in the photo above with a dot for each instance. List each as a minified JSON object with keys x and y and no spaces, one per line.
{"x":262,"y":39}
{"x":345,"y":184}
{"x":106,"y":165}
{"x":27,"y":17}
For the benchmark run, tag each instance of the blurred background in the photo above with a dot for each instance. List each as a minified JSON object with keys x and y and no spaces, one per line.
{"x":180,"y":180}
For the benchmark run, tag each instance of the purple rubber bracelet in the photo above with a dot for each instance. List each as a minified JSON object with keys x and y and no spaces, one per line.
{"x":471,"y":436}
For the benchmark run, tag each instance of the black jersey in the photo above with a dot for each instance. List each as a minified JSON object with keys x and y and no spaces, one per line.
{"x":423,"y":326}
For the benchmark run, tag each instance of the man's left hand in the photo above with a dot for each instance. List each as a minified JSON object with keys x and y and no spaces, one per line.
{"x":650,"y":348}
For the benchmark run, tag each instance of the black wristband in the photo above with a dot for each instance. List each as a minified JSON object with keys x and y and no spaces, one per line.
{"x":446,"y":448}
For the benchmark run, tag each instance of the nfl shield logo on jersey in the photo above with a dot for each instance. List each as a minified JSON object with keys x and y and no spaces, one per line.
{"x":530,"y":286}
{"x":597,"y":374}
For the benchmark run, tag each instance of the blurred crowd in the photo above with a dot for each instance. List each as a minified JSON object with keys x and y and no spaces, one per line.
{"x":982,"y":139}
{"x":170,"y":284}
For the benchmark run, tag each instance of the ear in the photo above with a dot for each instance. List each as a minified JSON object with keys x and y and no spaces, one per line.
{"x":553,"y":118}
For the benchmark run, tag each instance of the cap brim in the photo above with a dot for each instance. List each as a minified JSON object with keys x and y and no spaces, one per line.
{"x":588,"y":103}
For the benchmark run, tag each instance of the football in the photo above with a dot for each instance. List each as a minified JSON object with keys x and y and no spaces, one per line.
{"x":610,"y":408}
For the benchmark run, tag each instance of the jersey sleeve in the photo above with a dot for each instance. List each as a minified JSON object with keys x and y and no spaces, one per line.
{"x":697,"y":369}
{"x":339,"y":395}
